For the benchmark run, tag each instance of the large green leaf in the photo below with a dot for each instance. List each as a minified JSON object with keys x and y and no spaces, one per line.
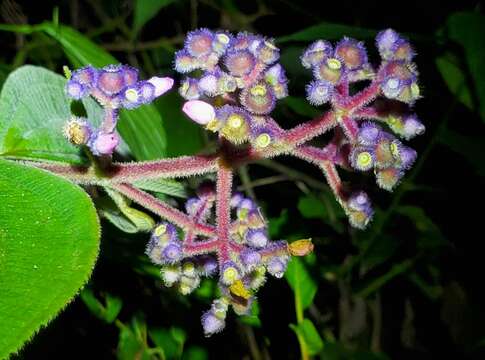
{"x":468,"y":30}
{"x":307,"y":332}
{"x":301,"y":283}
{"x":49,"y":241}
{"x":142,"y":128}
{"x":33,"y":111}
{"x":145,"y":10}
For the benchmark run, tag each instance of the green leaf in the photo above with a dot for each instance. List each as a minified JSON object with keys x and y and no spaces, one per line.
{"x":145,"y":10}
{"x":380,"y":250}
{"x":253,"y":318}
{"x":34,"y":109}
{"x":468,"y":30}
{"x":311,"y":207}
{"x":170,"y":340}
{"x":307,"y":332}
{"x":455,"y":79}
{"x":141,"y":128}
{"x":132,"y":343}
{"x":140,"y":220}
{"x":195,"y":353}
{"x":49,"y":241}
{"x":323,"y":207}
{"x":163,"y":186}
{"x":328,"y":31}
{"x":301,"y":283}
{"x":108,"y":312}
{"x":276,"y":224}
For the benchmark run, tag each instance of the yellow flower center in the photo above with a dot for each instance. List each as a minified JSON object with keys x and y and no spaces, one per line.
{"x":263,"y":140}
{"x":334,"y":64}
{"x":235,"y":121}
{"x":160,"y":230}
{"x":131,"y":95}
{"x":258,"y":90}
{"x":223,"y":38}
{"x":364,"y":159}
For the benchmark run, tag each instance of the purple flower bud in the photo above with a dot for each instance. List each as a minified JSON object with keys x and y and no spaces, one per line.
{"x":362,"y":158}
{"x":229,"y":273}
{"x":192,"y":206}
{"x":208,"y":265}
{"x":247,"y":204}
{"x":199,"y":42}
{"x":236,"y":199}
{"x":388,"y":178}
{"x":208,"y":84}
{"x":256,"y":238}
{"x":184,"y":62}
{"x":319,"y":92}
{"x":276,"y":266}
{"x":211,"y":323}
{"x":412,"y":127}
{"x":86,"y":76}
{"x":330,"y":70}
{"x":359,"y":201}
{"x":221,"y":42}
{"x":189,"y":89}
{"x":385,"y":41}
{"x":352,"y":53}
{"x":130,"y":75}
{"x":405,"y":156}
{"x":172,"y":252}
{"x":161,"y":84}
{"x":111,"y":79}
{"x":392,"y":87}
{"x":368,"y":134}
{"x":239,"y":62}
{"x":104,"y":143}
{"x":316,"y":53}
{"x":199,"y":111}
{"x":267,"y":52}
{"x":258,"y":98}
{"x":76,"y":90}
{"x":250,"y":258}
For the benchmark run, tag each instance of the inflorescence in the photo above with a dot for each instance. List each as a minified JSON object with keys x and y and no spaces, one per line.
{"x":235,"y":83}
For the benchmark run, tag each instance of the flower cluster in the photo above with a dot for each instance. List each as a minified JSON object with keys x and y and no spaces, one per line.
{"x":114,"y":87}
{"x":240,"y":76}
{"x":368,"y":145}
{"x":238,"y":82}
{"x":241,"y":261}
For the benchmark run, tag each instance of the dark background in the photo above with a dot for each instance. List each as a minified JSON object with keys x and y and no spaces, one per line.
{"x":430,"y":309}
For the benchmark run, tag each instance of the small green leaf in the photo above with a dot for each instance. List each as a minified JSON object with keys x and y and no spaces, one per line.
{"x":454,"y":78}
{"x":108,"y":312}
{"x":195,"y":353}
{"x":170,"y":340}
{"x":307,"y":332}
{"x":328,"y":31}
{"x":132,"y":343}
{"x":49,"y":240}
{"x":468,"y":30}
{"x":145,"y":10}
{"x":311,"y":207}
{"x":139,"y":219}
{"x":301,"y":283}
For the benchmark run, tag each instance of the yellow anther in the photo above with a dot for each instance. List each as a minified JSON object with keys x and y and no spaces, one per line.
{"x":160,"y":230}
{"x":238,"y":289}
{"x":394,"y":149}
{"x":212,"y":125}
{"x":235,"y":121}
{"x":258,"y":90}
{"x":131,"y":95}
{"x":270,"y":45}
{"x":223,"y":38}
{"x":415,"y":90}
{"x":230,"y":275}
{"x":263,"y":140}
{"x":364,"y":159}
{"x":67,"y":72}
{"x":334,"y":64}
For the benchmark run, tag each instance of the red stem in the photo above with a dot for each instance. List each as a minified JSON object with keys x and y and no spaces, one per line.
{"x":163,"y":210}
{"x":223,"y":211}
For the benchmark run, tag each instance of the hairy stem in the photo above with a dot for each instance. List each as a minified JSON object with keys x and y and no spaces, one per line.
{"x":163,"y":210}
{"x":223,"y":210}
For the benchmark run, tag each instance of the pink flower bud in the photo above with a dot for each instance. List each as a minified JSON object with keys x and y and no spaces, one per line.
{"x":162,"y":85}
{"x":199,"y":111}
{"x":105,"y":143}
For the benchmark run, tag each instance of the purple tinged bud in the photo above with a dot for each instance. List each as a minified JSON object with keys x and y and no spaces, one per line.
{"x":189,"y":89}
{"x":352,"y":53}
{"x":368,"y":134}
{"x":385,"y":41}
{"x":247,"y":204}
{"x":267,"y":52}
{"x":258,"y":98}
{"x":388,"y":178}
{"x":184,"y":62}
{"x":359,"y":201}
{"x":276,"y":266}
{"x":111,"y":79}
{"x":199,"y":42}
{"x":86,"y":76}
{"x":392,"y":87}
{"x":104,"y":143}
{"x":172,"y":252}
{"x":130,"y":75}
{"x":407,"y":157}
{"x":362,"y":158}
{"x":208,"y":265}
{"x":256,"y":238}
{"x":161,"y":84}
{"x":412,"y":127}
{"x":208,"y":84}
{"x":236,"y":199}
{"x":319,"y":92}
{"x":211,"y":323}
{"x":76,"y":90}
{"x":316,"y":53}
{"x":192,"y":206}
{"x":239,"y":62}
{"x":250,"y":258}
{"x":199,"y":111}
